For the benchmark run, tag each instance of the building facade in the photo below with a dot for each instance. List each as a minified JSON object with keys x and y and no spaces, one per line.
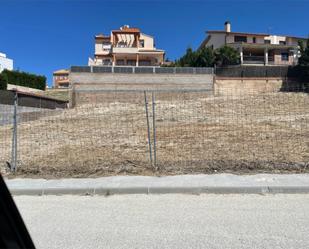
{"x":256,"y":48}
{"x":5,"y":63}
{"x":126,"y":47}
{"x":61,"y":79}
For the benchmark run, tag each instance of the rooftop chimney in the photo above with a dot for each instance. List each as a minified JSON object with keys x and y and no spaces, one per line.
{"x":124,"y":27}
{"x":227,"y":26}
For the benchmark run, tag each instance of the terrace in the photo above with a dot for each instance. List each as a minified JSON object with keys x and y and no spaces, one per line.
{"x":266,"y":54}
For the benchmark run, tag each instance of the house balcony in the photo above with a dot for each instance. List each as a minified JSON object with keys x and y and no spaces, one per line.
{"x":125,"y":50}
{"x":244,"y":45}
{"x":257,"y":59}
{"x":253,"y":59}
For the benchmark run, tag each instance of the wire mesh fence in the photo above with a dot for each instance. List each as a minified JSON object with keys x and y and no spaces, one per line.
{"x":161,"y":132}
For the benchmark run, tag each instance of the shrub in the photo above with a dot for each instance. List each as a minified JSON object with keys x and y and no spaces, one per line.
{"x":25,"y":79}
{"x":300,"y":72}
{"x":3,"y":82}
{"x":304,"y":59}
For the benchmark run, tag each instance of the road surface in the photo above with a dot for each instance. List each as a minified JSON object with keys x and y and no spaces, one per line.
{"x":167,"y":221}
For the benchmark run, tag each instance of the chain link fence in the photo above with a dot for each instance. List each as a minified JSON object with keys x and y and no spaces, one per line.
{"x":159,"y":132}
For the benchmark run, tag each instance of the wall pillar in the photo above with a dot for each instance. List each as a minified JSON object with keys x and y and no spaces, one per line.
{"x":295,"y":58}
{"x":137,"y":60}
{"x":266,"y":56}
{"x":241,"y":55}
{"x":114,"y":60}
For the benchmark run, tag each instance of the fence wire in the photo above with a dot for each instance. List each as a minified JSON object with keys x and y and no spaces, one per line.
{"x":187,"y":132}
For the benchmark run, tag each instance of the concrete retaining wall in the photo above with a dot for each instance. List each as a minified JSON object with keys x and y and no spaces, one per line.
{"x":136,"y":81}
{"x":85,"y":84}
{"x":238,"y":86}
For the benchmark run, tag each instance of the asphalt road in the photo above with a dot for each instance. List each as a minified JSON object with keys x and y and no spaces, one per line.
{"x":167,"y":221}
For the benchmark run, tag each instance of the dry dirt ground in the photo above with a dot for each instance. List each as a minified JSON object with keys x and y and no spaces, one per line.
{"x":195,"y":133}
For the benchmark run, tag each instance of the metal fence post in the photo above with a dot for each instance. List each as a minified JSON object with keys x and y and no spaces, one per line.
{"x":148,"y":128}
{"x":14,"y":138}
{"x":154,"y":130}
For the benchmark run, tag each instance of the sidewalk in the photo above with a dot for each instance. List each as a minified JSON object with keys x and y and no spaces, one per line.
{"x":186,"y":184}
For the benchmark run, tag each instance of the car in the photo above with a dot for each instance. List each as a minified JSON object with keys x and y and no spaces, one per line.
{"x":13,"y":232}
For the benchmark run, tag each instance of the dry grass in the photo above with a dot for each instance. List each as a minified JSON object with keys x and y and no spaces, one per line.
{"x":196,"y":133}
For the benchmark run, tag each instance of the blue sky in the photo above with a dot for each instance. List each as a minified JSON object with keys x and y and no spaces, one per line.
{"x":45,"y":35}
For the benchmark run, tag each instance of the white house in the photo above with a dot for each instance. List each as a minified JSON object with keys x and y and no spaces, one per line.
{"x":256,"y":48}
{"x":5,"y":63}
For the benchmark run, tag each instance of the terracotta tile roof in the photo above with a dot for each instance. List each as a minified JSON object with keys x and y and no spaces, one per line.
{"x":127,"y":30}
{"x":102,"y":36}
{"x":237,"y":33}
{"x":61,"y":71}
{"x":246,"y":33}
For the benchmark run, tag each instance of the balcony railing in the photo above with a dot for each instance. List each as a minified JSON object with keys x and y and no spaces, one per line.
{"x":254,"y":58}
{"x":125,"y":50}
{"x":257,"y":59}
{"x":261,"y":60}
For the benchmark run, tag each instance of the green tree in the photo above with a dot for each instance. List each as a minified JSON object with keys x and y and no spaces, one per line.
{"x":189,"y":59}
{"x":205,"y":57}
{"x":226,"y":56}
{"x":301,"y":46}
{"x":304,"y":58}
{"x":3,"y":82}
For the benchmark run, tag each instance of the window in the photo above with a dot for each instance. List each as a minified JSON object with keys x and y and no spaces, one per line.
{"x":106,"y":62}
{"x":120,"y":62}
{"x":122,"y":44}
{"x":267,"y":41}
{"x":282,"y":42}
{"x":64,"y":85}
{"x":131,"y":62}
{"x":238,"y":38}
{"x":254,"y":39}
{"x":106,"y":46}
{"x":284,"y":56}
{"x":145,"y":63}
{"x":142,"y":43}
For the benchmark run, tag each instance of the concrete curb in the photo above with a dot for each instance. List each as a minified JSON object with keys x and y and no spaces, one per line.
{"x":188,"y":184}
{"x":164,"y":190}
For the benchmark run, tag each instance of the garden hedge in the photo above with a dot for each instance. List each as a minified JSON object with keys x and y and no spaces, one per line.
{"x":3,"y":82}
{"x":25,"y":79}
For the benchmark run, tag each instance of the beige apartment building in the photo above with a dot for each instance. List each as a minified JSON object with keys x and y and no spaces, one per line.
{"x":61,"y":78}
{"x":256,"y":48}
{"x":126,"y":47}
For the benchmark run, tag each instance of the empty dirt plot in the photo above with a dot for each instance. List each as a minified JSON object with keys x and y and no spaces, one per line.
{"x":195,"y":133}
